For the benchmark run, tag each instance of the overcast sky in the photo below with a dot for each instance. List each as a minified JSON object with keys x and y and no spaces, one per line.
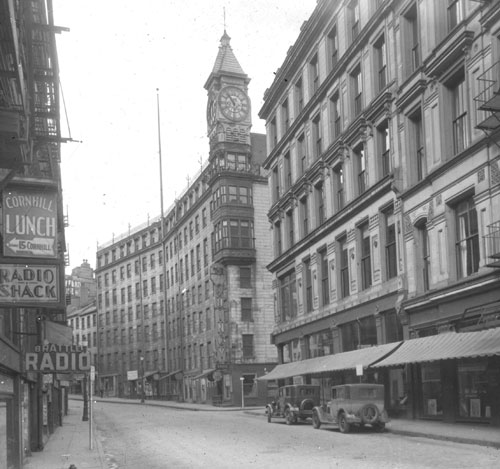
{"x":117,"y":53}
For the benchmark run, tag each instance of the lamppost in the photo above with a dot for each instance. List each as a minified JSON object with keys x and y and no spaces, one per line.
{"x":142,"y":379}
{"x":242,"y":393}
{"x":85,"y":416}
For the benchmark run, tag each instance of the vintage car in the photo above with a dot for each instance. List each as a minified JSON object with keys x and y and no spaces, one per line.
{"x":293,"y":402}
{"x":353,"y":404}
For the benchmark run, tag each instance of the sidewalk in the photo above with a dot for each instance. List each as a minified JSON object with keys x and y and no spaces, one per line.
{"x":69,"y":444}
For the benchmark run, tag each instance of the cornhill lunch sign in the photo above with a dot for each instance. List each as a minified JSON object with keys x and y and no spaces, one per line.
{"x":30,"y":224}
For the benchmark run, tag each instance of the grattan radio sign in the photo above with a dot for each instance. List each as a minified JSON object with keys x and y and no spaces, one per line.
{"x":29,"y":224}
{"x":58,"y":358}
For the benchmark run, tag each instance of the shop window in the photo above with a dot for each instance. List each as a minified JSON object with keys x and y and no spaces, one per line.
{"x":474,"y":395}
{"x":432,"y":392}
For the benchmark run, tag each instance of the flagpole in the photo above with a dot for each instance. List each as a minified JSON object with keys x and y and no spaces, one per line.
{"x":162,"y":231}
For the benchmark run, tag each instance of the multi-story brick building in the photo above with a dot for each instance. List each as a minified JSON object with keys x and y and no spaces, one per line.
{"x":131,"y":312}
{"x":217,"y":244}
{"x":32,"y":245}
{"x":384,"y":187}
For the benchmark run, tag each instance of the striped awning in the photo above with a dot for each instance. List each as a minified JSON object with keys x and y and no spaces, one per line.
{"x":451,"y":345}
{"x":337,"y":362}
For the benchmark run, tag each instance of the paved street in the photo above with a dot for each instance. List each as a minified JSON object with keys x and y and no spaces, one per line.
{"x":135,"y":436}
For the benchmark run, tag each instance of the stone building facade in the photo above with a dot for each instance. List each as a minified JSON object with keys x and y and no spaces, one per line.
{"x":383,"y":153}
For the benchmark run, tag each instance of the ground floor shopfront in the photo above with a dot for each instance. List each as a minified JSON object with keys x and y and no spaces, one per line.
{"x":233,"y":385}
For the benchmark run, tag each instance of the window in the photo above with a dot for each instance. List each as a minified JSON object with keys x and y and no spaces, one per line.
{"x":247,"y":343}
{"x":317,"y":135}
{"x":359,"y":333}
{"x":145,"y":287}
{"x":288,"y":297}
{"x":332,"y":48}
{"x":285,"y":116}
{"x":357,"y":90}
{"x":299,"y":96}
{"x":246,"y":309}
{"x":344,"y":267}
{"x":380,"y":64}
{"x":353,"y":19}
{"x":418,"y":163}
{"x":204,"y":217}
{"x":276,"y":184}
{"x":338,"y":182}
{"x":455,"y":13}
{"x":304,"y":215}
{"x":335,"y":116}
{"x":384,"y":144}
{"x":308,"y":286}
{"x":129,"y":270}
{"x":290,"y":228}
{"x":360,"y":162}
{"x":411,"y":46}
{"x":467,"y":238}
{"x":314,"y":74}
{"x":277,"y":239}
{"x":458,"y":96}
{"x":245,"y":277}
{"x":390,"y":244}
{"x":325,"y":296}
{"x":144,"y":264}
{"x":122,"y":272}
{"x":287,"y":170}
{"x":113,"y":276}
{"x":319,"y":190}
{"x":423,"y":260}
{"x":366,"y":268}
{"x":301,"y":154}
{"x":273,"y":134}
{"x":249,"y":385}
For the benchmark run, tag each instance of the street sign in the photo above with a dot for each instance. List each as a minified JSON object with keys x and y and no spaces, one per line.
{"x":132,"y":375}
{"x":92,"y":373}
{"x":58,"y":358}
{"x":29,"y":223}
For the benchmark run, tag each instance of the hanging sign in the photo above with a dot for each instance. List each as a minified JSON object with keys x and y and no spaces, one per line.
{"x":29,"y":223}
{"x":29,"y":284}
{"x":58,"y":358}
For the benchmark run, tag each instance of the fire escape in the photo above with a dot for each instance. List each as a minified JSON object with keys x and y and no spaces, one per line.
{"x":488,"y":107}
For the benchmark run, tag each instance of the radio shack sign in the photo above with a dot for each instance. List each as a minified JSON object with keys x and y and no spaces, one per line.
{"x":29,"y":224}
{"x":52,"y":358}
{"x":29,"y":284}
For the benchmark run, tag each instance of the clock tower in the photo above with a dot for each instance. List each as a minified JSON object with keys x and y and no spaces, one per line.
{"x":228,"y":107}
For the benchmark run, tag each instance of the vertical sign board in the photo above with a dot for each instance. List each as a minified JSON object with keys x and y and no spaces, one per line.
{"x":29,"y":223}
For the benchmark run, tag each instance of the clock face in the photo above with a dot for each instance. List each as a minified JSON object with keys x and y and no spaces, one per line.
{"x":234,"y":103}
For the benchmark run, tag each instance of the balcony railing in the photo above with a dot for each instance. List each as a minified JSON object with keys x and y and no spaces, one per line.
{"x":493,"y":243}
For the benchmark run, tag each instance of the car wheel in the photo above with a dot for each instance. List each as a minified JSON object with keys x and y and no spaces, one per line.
{"x":344,"y":425}
{"x":269,"y":412}
{"x":379,"y":427}
{"x":369,"y":414}
{"x":289,"y":417}
{"x":316,"y":420}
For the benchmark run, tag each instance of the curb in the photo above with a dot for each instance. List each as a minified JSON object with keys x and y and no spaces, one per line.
{"x":455,"y":439}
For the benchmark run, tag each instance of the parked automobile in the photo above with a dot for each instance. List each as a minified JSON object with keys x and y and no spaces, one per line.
{"x":353,"y":404}
{"x":293,"y":402}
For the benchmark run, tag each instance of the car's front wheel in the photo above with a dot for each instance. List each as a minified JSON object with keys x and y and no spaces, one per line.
{"x":316,"y":420}
{"x":289,"y":417}
{"x":344,"y":425}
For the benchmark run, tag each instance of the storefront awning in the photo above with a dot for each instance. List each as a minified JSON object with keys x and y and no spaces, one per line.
{"x":337,"y":362}
{"x":169,"y":375}
{"x":205,"y":373}
{"x":444,"y":347}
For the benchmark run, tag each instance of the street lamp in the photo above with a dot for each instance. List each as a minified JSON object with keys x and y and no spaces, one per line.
{"x":142,"y":379}
{"x":85,"y":416}
{"x":242,"y":394}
